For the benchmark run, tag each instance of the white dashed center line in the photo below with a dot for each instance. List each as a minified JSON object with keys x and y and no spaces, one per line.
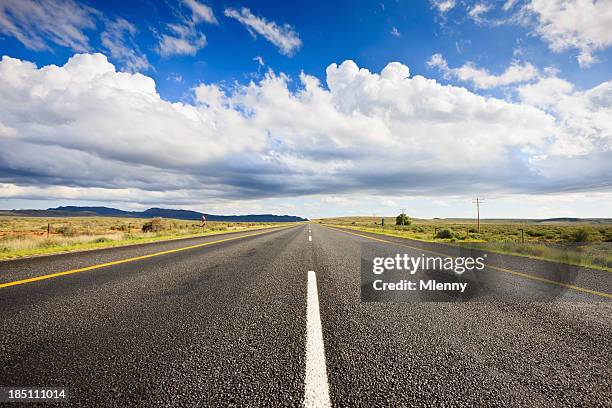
{"x":316,"y":387}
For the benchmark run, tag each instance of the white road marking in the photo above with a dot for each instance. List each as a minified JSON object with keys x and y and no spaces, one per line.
{"x":316,"y":387}
{"x":310,"y":238}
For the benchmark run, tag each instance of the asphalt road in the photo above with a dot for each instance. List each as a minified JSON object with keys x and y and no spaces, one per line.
{"x":236,"y":323}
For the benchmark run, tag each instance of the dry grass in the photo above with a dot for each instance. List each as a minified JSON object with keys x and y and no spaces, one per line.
{"x":27,"y":236}
{"x":490,"y":231}
{"x":550,"y":241}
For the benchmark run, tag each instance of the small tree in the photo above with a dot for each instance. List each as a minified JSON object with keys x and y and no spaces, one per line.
{"x":402,"y":219}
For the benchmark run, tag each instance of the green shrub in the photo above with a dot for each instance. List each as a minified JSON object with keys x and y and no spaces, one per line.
{"x":155,"y":225}
{"x":580,"y":235}
{"x":445,"y":233}
{"x":66,"y":230}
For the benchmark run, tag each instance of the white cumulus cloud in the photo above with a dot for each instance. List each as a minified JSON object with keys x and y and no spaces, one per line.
{"x":583,"y":25}
{"x":584,"y":117}
{"x":482,"y":78}
{"x":85,"y":131}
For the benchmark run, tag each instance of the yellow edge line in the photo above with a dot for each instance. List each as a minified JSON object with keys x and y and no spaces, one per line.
{"x":521,"y":274}
{"x":122,"y":261}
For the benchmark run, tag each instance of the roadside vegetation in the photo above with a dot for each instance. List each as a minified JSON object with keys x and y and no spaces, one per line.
{"x":27,"y":236}
{"x":578,"y":243}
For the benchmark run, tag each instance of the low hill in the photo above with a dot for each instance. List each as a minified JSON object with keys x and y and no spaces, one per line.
{"x":74,"y":211}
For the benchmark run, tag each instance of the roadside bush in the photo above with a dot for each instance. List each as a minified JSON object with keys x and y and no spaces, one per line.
{"x":445,"y":233}
{"x":580,"y":235}
{"x":66,"y":230}
{"x":473,"y":230}
{"x":155,"y":225}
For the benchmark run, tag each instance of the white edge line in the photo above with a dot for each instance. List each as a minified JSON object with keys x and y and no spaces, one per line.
{"x":316,"y":387}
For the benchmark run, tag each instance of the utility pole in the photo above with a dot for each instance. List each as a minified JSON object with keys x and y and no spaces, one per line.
{"x":478,"y":201}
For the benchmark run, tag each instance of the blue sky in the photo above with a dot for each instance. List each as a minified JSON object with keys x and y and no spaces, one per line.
{"x":508,"y":99}
{"x":329,"y":32}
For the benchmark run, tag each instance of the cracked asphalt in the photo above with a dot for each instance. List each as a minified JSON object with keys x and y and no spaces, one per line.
{"x":225,"y":325}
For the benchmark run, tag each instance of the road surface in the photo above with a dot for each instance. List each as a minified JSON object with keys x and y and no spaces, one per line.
{"x":276,"y":318}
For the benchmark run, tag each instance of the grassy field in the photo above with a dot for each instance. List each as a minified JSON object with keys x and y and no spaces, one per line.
{"x":579,"y":243}
{"x":27,"y":236}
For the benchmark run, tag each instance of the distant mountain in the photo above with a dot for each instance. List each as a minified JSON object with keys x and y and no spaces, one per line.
{"x":562,"y":220}
{"x":571,"y":219}
{"x":194,"y":215}
{"x":73,"y":211}
{"x":104,"y":211}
